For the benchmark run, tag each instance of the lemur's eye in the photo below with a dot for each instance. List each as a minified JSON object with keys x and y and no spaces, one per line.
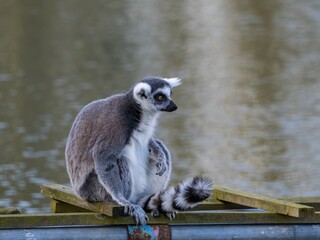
{"x":160,"y":97}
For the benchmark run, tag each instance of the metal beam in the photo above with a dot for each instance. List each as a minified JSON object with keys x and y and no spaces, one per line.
{"x":204,"y":232}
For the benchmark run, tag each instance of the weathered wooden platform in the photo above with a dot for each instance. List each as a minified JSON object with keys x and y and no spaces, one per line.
{"x":226,"y":207}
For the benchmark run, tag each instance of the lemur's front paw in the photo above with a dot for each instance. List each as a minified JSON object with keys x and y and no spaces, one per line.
{"x":138,"y":213}
{"x":161,"y":167}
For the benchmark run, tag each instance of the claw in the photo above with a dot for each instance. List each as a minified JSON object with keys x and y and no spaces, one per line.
{"x":126,"y":210}
{"x":161,"y":168}
{"x":171,"y":215}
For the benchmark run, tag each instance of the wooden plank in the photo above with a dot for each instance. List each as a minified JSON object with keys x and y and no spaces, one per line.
{"x":65,"y":194}
{"x":236,"y":218}
{"x":62,"y":207}
{"x":215,"y":204}
{"x":309,"y":201}
{"x":9,"y":210}
{"x":263,"y":202}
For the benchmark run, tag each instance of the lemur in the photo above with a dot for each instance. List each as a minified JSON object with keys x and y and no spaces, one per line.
{"x":113,"y":156}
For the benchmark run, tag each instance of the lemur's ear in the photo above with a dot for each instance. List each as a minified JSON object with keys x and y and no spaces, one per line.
{"x":142,"y":93}
{"x":173,"y":82}
{"x":142,"y":90}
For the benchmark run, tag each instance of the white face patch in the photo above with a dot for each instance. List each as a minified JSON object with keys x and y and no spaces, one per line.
{"x":173,"y":82}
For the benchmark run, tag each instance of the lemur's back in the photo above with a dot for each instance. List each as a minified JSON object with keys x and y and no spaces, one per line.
{"x":97,"y":123}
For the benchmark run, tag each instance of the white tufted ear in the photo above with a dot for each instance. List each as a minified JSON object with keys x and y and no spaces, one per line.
{"x":173,"y":82}
{"x":141,"y":90}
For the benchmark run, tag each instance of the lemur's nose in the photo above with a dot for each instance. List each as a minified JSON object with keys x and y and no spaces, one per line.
{"x":171,"y":107}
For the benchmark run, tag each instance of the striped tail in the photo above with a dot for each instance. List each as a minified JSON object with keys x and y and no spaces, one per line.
{"x":185,"y":195}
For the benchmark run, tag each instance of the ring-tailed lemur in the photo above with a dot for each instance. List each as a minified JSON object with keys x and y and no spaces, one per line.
{"x":112,"y":155}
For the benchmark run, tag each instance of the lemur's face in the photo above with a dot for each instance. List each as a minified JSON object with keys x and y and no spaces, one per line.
{"x":154,"y":94}
{"x":161,"y":99}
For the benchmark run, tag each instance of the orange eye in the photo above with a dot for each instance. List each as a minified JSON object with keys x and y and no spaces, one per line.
{"x":160,"y":97}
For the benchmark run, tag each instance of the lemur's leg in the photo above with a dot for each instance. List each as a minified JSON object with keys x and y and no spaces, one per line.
{"x":113,"y":173}
{"x":181,"y":197}
{"x":170,"y":200}
{"x":160,"y":171}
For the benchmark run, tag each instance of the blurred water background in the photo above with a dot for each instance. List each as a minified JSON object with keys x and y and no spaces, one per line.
{"x":249,"y":106}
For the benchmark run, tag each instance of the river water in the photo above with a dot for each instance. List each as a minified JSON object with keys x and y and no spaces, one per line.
{"x":249,"y":105}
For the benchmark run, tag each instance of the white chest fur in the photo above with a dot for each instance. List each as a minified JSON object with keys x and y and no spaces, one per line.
{"x":137,"y":153}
